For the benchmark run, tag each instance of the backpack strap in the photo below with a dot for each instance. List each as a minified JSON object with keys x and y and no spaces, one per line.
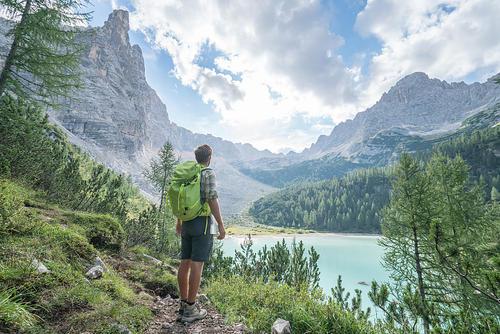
{"x":201,"y":176}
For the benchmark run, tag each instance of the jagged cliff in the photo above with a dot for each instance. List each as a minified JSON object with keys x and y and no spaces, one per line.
{"x":120,"y":120}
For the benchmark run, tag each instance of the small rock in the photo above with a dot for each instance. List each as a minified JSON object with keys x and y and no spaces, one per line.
{"x":152,"y":259}
{"x":95,"y":272}
{"x":170,"y":268}
{"x":241,"y":328}
{"x":281,"y":326}
{"x":203,"y":299}
{"x":167,"y":328}
{"x":39,"y":267}
{"x":99,"y":262}
{"x":122,"y":329}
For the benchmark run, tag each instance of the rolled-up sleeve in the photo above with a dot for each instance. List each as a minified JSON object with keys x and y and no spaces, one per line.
{"x":208,"y":186}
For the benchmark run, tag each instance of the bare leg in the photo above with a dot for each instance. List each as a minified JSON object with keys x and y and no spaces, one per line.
{"x":194,"y":280}
{"x":183,"y":278}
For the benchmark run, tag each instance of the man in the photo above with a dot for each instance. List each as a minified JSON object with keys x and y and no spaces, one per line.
{"x":197,"y":240}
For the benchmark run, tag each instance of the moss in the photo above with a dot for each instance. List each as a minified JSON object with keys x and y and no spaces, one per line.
{"x":115,"y":286}
{"x":103,"y":231}
{"x":72,"y":244}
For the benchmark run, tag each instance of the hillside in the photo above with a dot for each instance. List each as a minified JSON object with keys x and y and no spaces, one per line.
{"x":352,"y":203}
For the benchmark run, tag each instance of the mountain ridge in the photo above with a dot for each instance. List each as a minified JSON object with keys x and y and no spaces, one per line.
{"x":427,"y":104}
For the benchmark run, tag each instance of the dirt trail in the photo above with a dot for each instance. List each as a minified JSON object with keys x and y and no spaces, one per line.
{"x":166,"y":316}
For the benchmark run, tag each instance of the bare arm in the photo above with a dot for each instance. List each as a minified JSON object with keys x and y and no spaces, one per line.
{"x":214,"y":207}
{"x":178,"y":227}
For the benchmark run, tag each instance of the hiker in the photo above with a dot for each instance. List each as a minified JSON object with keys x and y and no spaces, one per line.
{"x":195,"y":228}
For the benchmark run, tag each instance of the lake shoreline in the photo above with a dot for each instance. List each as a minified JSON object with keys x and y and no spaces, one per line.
{"x":308,"y":234}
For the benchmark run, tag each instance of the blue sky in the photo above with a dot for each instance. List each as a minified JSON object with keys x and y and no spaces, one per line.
{"x":278,"y":74}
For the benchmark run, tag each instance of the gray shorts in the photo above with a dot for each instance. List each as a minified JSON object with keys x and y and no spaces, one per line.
{"x":196,"y":240}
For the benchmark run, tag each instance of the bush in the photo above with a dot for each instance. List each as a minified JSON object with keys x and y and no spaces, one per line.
{"x":11,"y":204}
{"x":259,"y":304}
{"x":103,"y":231}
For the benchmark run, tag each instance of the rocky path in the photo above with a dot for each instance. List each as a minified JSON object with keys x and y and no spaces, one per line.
{"x":166,"y":315}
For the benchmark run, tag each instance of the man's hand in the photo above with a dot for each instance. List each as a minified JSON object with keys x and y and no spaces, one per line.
{"x":222,"y":232}
{"x":178,"y":227}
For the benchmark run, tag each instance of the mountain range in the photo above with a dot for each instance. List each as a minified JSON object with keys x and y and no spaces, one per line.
{"x":120,"y":120}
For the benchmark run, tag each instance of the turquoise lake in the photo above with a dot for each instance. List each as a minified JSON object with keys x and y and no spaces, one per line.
{"x":357,"y":258}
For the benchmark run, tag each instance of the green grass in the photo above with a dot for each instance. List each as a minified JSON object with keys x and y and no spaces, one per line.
{"x":14,"y":313}
{"x":67,"y":242}
{"x":258,"y":305}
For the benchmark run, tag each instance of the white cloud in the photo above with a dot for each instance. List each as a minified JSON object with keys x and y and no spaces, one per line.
{"x":450,"y":40}
{"x":278,"y":60}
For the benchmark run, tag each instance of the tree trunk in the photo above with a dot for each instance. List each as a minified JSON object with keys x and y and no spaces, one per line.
{"x":9,"y":61}
{"x":163,"y":186}
{"x":421,"y":289}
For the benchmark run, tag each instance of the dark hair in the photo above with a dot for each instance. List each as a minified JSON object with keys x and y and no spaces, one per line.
{"x":203,"y":153}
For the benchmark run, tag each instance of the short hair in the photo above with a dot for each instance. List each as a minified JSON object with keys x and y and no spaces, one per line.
{"x":203,"y":153}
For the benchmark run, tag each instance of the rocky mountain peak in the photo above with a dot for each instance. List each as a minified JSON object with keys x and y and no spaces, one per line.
{"x":118,"y":26}
{"x":417,"y":105}
{"x":416,"y":78}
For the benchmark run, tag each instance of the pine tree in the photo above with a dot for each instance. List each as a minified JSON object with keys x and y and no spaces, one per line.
{"x":405,"y":228}
{"x":43,"y":59}
{"x":495,"y":195}
{"x":159,"y":173}
{"x":462,"y":229}
{"x":161,"y":169}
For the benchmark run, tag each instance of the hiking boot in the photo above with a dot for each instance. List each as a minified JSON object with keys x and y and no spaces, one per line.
{"x":180,"y":311}
{"x":192,"y":313}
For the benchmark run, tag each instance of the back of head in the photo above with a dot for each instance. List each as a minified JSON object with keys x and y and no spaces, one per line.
{"x":203,"y":154}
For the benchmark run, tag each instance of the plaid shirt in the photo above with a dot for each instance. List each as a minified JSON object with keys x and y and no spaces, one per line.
{"x":207,"y":185}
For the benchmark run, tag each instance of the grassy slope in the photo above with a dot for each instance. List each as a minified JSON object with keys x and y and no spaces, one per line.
{"x":67,"y":243}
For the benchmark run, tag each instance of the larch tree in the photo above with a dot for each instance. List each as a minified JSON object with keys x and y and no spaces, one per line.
{"x":405,"y":228}
{"x":160,"y":170}
{"x":42,"y":61}
{"x":159,"y":173}
{"x":464,"y":237}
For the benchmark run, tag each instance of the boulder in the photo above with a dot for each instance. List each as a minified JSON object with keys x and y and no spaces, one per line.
{"x":39,"y":267}
{"x":95,"y":272}
{"x":281,"y":326}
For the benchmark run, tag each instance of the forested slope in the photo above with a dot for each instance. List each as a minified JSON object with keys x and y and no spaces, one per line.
{"x":352,"y":203}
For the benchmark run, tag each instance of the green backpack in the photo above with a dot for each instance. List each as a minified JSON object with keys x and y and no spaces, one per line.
{"x":184,"y":191}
